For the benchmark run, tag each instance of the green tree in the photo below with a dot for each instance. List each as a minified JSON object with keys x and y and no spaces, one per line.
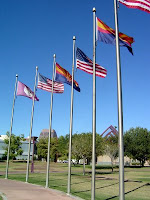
{"x":15,"y":145}
{"x":111,"y":148}
{"x":54,"y":149}
{"x":63,"y":145}
{"x":137,"y":144}
{"x":82,"y":147}
{"x":42,"y":148}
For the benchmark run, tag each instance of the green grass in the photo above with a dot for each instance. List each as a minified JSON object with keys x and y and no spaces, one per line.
{"x":107,"y":183}
{"x":1,"y":197}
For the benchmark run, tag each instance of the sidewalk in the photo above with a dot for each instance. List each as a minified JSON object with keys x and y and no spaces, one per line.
{"x":17,"y":190}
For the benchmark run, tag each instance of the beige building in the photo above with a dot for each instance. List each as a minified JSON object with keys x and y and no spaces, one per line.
{"x":105,"y":160}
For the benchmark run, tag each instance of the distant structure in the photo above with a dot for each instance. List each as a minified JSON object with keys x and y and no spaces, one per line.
{"x":110,"y":131}
{"x":45,"y":132}
{"x":24,"y":146}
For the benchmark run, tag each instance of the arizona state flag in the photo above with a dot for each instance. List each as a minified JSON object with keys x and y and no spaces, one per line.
{"x":107,"y":35}
{"x":63,"y":76}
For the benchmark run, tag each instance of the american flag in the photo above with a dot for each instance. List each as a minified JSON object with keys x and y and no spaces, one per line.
{"x":86,"y":64}
{"x":46,"y":84}
{"x":139,"y":4}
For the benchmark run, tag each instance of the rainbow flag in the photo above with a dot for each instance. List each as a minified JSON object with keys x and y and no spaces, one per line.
{"x":63,"y":76}
{"x":107,"y":35}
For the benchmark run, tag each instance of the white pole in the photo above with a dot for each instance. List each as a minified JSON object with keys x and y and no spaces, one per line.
{"x":120,"y":110}
{"x":31,"y":124}
{"x":94,"y":110}
{"x":50,"y":127}
{"x":71,"y":120}
{"x":7,"y":165}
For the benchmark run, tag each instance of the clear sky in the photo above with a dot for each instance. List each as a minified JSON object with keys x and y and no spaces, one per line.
{"x":33,"y":30}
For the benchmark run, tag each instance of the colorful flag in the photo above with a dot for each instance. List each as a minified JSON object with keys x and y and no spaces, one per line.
{"x":46,"y":84}
{"x":107,"y":35}
{"x":139,"y":4}
{"x":86,"y":64}
{"x":23,"y":90}
{"x":63,"y":76}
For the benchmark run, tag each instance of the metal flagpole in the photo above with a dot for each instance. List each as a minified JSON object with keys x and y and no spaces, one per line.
{"x":71,"y":120}
{"x":32,"y":164}
{"x":7,"y":165}
{"x":31,"y":123}
{"x":94,"y":110}
{"x":50,"y":125}
{"x":120,"y":110}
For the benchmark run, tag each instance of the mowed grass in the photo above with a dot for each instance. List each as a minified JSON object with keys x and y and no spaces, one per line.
{"x":137,"y":180}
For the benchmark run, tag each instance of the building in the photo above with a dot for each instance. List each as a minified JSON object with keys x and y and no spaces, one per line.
{"x":45,"y":132}
{"x":2,"y":145}
{"x":105,"y":159}
{"x":24,"y":146}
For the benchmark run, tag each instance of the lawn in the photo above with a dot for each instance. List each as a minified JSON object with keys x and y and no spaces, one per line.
{"x":107,"y":183}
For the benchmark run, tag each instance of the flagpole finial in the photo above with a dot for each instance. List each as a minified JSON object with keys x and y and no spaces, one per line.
{"x":74,"y":37}
{"x":36,"y":67}
{"x":54,"y":56}
{"x":94,"y":9}
{"x":16,"y":75}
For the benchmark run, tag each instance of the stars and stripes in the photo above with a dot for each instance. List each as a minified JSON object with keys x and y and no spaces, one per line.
{"x":139,"y":4}
{"x":86,"y":64}
{"x":46,"y":84}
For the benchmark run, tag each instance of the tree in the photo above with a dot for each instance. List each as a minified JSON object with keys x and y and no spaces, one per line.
{"x":15,"y":145}
{"x":42,"y":148}
{"x":111,"y":148}
{"x":137,"y":144}
{"x":82,"y":147}
{"x":63,"y":146}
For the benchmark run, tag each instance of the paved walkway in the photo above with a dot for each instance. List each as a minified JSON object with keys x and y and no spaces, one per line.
{"x":17,"y":190}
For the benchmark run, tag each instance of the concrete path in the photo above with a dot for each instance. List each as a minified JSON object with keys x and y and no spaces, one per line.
{"x":17,"y":190}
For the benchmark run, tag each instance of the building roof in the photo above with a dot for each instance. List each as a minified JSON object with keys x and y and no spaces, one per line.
{"x":45,"y":133}
{"x":3,"y":137}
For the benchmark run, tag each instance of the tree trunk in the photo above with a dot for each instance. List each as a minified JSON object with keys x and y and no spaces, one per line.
{"x":112,"y":167}
{"x":143,"y":162}
{"x":83,"y":166}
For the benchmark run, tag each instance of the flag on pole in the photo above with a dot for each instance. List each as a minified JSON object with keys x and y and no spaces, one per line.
{"x":139,"y":4}
{"x":63,"y":76}
{"x":86,"y":64}
{"x":24,"y":90}
{"x":46,"y":84}
{"x":107,"y":35}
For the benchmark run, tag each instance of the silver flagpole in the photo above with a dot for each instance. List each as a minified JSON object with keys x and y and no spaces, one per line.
{"x":94,"y":110}
{"x":7,"y":165}
{"x":50,"y":125}
{"x":120,"y":110}
{"x":71,"y":120}
{"x":31,"y":124}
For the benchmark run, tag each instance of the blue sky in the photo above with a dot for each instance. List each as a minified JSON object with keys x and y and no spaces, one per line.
{"x":33,"y":30}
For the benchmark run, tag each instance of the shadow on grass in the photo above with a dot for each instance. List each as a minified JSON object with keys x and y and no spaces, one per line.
{"x":116,"y":172}
{"x":147,"y":184}
{"x":97,"y":188}
{"x":71,"y":183}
